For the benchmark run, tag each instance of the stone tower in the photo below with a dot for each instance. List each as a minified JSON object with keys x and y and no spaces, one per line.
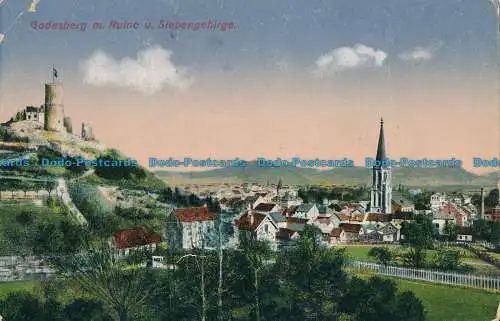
{"x":54,"y":107}
{"x":381,"y":195}
{"x":87,"y":132}
{"x":68,"y":124}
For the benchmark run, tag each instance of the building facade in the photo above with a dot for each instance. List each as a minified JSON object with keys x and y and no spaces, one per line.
{"x":189,"y":228}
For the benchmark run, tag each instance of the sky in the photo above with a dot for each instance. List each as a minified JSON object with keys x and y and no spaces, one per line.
{"x":288,"y":78}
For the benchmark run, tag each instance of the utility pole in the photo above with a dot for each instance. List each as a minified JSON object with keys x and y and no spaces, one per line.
{"x":220,"y":266}
{"x":203,"y":298}
{"x":482,"y":203}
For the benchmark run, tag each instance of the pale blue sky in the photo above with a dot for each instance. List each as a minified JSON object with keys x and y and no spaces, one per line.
{"x":296,"y":30}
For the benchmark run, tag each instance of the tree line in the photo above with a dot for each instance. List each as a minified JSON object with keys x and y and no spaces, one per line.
{"x":307,"y":282}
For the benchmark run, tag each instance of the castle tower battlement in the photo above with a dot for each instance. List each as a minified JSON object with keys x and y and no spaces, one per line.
{"x":54,"y":107}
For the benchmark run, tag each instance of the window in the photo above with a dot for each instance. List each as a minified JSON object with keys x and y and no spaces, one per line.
{"x":266,"y":228}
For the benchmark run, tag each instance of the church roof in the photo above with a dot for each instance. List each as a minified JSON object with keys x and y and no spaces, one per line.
{"x":381,"y":143}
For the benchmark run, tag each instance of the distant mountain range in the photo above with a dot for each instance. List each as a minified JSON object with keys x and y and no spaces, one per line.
{"x":417,"y":177}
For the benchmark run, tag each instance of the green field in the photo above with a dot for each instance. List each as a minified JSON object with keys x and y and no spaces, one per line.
{"x":444,"y":303}
{"x":8,"y":287}
{"x":448,"y":303}
{"x":360,"y":252}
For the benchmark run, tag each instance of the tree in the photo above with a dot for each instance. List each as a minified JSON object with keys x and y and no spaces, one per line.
{"x":415,"y":257}
{"x":451,"y":231}
{"x":377,"y":299}
{"x":303,"y":195}
{"x":486,"y":230}
{"x":491,"y":200}
{"x":166,"y":195}
{"x":103,"y":276}
{"x":23,"y":306}
{"x":419,"y":233}
{"x":382,"y":254}
{"x":311,"y":281}
{"x":119,"y":172}
{"x":193,"y":200}
{"x":213,"y":205}
{"x":422,"y":200}
{"x":408,"y":307}
{"x":256,"y":253}
{"x":86,"y":310}
{"x":50,"y":186}
{"x":25,"y":218}
{"x":47,"y":239}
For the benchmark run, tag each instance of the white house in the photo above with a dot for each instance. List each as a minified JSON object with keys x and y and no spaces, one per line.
{"x":257,"y":226}
{"x":390,"y":233}
{"x":326,"y":225}
{"x":307,"y":211}
{"x":438,"y":200}
{"x":464,"y":235}
{"x":189,"y":228}
{"x":441,"y":218}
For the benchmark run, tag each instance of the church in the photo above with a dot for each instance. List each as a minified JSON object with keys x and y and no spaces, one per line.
{"x":381,"y":191}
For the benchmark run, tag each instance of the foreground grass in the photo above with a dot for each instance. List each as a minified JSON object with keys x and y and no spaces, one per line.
{"x":444,"y":303}
{"x":441,"y":302}
{"x":447,"y":303}
{"x":9,"y":287}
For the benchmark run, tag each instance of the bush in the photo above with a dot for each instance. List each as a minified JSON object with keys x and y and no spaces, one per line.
{"x":7,"y":136}
{"x":382,"y":254}
{"x":446,"y":259}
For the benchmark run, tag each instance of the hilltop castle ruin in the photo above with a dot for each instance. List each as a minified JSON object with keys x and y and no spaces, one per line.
{"x":51,"y":115}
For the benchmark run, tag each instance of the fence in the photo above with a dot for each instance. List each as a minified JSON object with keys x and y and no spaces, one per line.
{"x":460,"y":279}
{"x":26,"y":195}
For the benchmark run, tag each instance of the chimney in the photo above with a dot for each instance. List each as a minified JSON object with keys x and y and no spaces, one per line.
{"x":482,"y":202}
{"x":251,"y":217}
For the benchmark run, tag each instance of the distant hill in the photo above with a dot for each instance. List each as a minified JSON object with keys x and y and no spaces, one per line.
{"x":420,"y":177}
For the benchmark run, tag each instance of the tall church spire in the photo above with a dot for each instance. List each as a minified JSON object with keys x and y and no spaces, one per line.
{"x":381,"y":194}
{"x":381,"y":143}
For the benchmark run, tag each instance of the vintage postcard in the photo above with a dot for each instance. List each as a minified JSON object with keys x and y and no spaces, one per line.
{"x":249,"y":160}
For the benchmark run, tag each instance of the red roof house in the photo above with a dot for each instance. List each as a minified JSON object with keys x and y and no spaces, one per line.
{"x":193,"y":214}
{"x":135,"y":237}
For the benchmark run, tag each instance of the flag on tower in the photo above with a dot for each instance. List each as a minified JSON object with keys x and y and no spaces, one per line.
{"x":496,"y":4}
{"x":54,"y":72}
{"x":32,"y":7}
